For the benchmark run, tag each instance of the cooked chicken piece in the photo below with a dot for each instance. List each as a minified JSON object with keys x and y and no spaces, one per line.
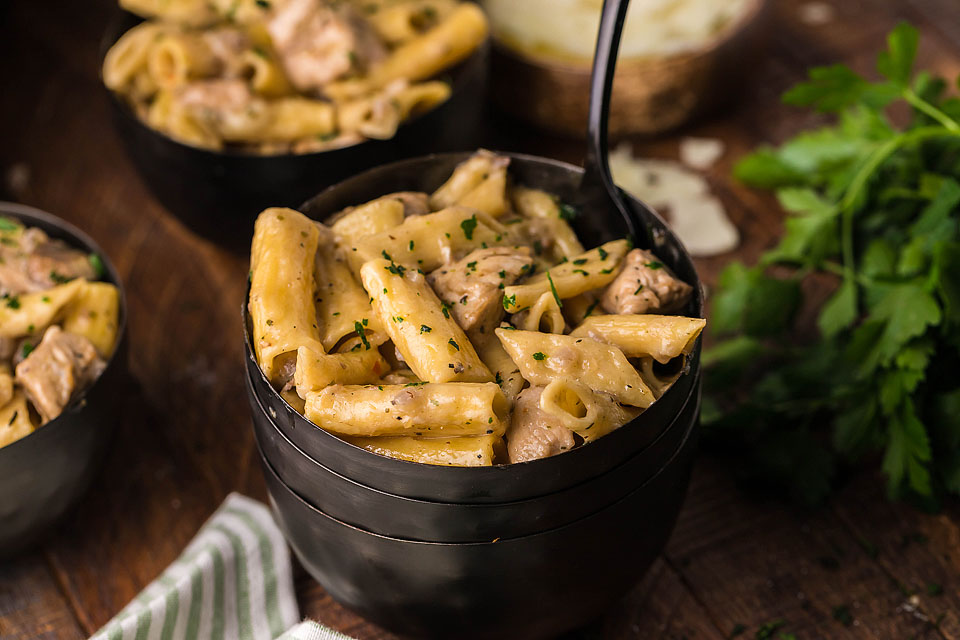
{"x":61,"y":367}
{"x":225,"y":106}
{"x":35,"y":262}
{"x":645,"y":285}
{"x":415,"y":203}
{"x":534,"y":434}
{"x":473,"y":286}
{"x":318,"y":42}
{"x":226,"y":45}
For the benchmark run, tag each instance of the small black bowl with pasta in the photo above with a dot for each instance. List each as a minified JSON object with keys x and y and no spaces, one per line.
{"x":452,"y":450}
{"x":62,"y":359}
{"x":226,"y":108}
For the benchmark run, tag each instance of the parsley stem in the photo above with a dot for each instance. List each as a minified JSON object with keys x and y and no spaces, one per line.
{"x":870,"y":167}
{"x":922,"y":105}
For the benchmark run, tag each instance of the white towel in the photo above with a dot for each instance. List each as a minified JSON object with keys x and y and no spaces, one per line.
{"x":233,"y":581}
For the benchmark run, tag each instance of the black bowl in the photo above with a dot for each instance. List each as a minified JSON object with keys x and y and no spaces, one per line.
{"x":401,"y":517}
{"x":47,"y":471}
{"x":529,"y":587}
{"x":218,"y":193}
{"x":498,"y":484}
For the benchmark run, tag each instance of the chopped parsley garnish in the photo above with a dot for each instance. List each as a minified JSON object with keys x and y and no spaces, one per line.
{"x":502,"y":274}
{"x":386,"y":256}
{"x":638,"y":290}
{"x":567,"y":212}
{"x":590,"y":309}
{"x":263,"y":4}
{"x":263,"y":54}
{"x":410,"y":246}
{"x":539,"y":355}
{"x":8,"y":225}
{"x":453,"y":344}
{"x":469,"y":226}
{"x":603,"y":253}
{"x":45,"y":299}
{"x":553,"y":289}
{"x":395,"y":269}
{"x":509,"y":301}
{"x":13,"y":302}
{"x":580,"y":261}
{"x":364,"y":321}
{"x":98,"y":267}
{"x":415,"y":384}
{"x":445,"y":308}
{"x":362,"y":333}
{"x":26,"y":350}
{"x":606,"y":271}
{"x":59,"y":278}
{"x":398,"y":319}
{"x":585,"y":274}
{"x":269,"y":322}
{"x":472,"y":265}
{"x":498,"y":379}
{"x":425,"y":329}
{"x":654,"y":265}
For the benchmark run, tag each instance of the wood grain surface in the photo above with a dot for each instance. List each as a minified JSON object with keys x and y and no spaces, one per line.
{"x":736,"y":564}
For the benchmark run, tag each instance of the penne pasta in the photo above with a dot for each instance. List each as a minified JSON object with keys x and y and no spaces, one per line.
{"x":428,"y":242}
{"x":587,"y":413}
{"x":465,"y":451}
{"x":588,"y":271}
{"x":316,"y":371}
{"x":432,"y":344}
{"x":543,"y":316}
{"x":31,"y":313}
{"x":641,"y":336}
{"x":451,"y":409}
{"x":281,"y":291}
{"x":94,"y":314}
{"x":15,"y":420}
{"x":542,"y":357}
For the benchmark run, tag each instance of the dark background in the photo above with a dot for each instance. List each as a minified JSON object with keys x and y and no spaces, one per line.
{"x":857,"y":568}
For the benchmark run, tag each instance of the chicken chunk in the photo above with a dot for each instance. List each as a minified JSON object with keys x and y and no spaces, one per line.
{"x":645,"y":285}
{"x":533,"y":433}
{"x":473,"y":286}
{"x":225,"y":106}
{"x":318,"y":42}
{"x":61,"y":367}
{"x":415,"y":203}
{"x":34,"y":262}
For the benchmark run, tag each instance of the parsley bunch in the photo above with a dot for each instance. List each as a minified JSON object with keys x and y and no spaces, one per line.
{"x":876,"y":208}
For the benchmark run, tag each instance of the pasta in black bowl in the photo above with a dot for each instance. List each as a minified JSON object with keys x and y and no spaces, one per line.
{"x":62,"y":317}
{"x":229,"y":107}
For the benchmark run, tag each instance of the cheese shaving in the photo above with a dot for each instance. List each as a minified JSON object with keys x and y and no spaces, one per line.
{"x":695,"y":214}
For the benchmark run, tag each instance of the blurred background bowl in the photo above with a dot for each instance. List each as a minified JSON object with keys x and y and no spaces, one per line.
{"x":651,"y":94}
{"x":218,"y":193}
{"x":45,"y":473}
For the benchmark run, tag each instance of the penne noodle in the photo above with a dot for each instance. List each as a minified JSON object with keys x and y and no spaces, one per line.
{"x":94,"y":314}
{"x":641,"y":336}
{"x":316,"y":371}
{"x":587,"y":413}
{"x":427,"y":409}
{"x":281,"y":291}
{"x":588,"y":271}
{"x":542,"y":357}
{"x":31,"y":313}
{"x":432,"y":344}
{"x":465,"y":451}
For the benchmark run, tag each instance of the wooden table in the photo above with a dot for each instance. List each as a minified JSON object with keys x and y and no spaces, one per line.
{"x":858,"y":568}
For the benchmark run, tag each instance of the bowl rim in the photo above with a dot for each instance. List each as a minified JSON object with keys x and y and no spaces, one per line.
{"x":250,"y":352}
{"x":686,"y":442}
{"x":120,"y":24}
{"x":638,"y":64}
{"x":76,"y":238}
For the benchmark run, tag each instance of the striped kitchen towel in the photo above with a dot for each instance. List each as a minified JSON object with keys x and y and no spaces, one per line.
{"x":233,"y":581}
